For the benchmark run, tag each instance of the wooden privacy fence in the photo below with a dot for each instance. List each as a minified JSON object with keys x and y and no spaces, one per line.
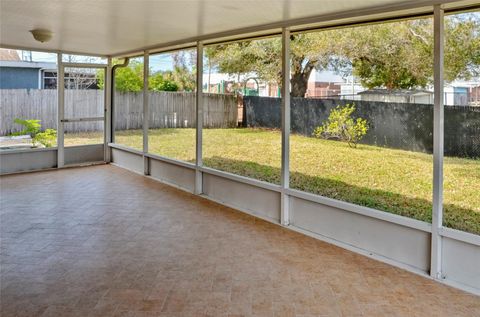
{"x":41,"y":104}
{"x":27,"y":104}
{"x":167,"y":109}
{"x":174,"y":110}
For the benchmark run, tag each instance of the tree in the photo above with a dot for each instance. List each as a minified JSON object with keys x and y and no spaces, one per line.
{"x":462,"y":47}
{"x":130,"y":79}
{"x":394,"y":56}
{"x":158,"y":82}
{"x":400,"y":54}
{"x":310,"y":51}
{"x":241,"y":58}
{"x":184,"y":70}
{"x":182,"y":78}
{"x":389,"y":55}
{"x":81,"y":78}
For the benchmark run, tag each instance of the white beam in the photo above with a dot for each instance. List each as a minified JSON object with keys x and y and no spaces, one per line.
{"x":438,"y":114}
{"x":199,"y":128}
{"x":84,"y":65}
{"x":285,"y":173}
{"x":60,"y":112}
{"x":146,"y":114}
{"x":108,"y":110}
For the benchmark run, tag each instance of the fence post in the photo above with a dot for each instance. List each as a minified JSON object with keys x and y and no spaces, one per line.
{"x":438,"y":124}
{"x":60,"y":111}
{"x":146,"y":161}
{"x":199,"y":117}
{"x":285,"y":174}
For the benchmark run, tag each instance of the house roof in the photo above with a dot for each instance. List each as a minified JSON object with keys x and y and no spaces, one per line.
{"x":24,"y":64}
{"x":125,"y":27}
{"x":397,"y":92}
{"x":9,"y":55}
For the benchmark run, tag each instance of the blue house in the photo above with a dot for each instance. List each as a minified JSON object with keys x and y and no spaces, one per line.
{"x":26,"y":75}
{"x":16,"y":73}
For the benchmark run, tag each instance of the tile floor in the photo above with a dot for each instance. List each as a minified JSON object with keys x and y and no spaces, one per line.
{"x":102,"y":241}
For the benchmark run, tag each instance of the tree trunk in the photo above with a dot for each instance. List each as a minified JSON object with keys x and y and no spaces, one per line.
{"x":299,"y":85}
{"x":300,"y":75}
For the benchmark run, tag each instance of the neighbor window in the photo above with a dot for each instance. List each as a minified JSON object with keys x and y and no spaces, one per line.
{"x":50,"y":80}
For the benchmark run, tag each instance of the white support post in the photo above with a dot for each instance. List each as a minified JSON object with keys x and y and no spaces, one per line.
{"x":108,"y":110}
{"x":199,"y":117}
{"x":146,"y":115}
{"x":60,"y":112}
{"x":285,"y":174}
{"x":438,"y":114}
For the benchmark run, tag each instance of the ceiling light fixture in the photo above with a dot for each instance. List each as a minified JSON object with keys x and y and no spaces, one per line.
{"x":41,"y":35}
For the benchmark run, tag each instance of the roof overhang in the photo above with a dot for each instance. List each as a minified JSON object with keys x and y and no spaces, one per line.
{"x":23,"y":64}
{"x":126,"y":28}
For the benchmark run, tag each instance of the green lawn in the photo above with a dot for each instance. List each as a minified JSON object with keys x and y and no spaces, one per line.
{"x":396,"y":181}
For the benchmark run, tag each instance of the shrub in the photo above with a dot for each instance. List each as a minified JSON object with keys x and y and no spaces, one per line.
{"x":340,"y":125}
{"x":158,"y":82}
{"x":47,"y":138}
{"x":33,"y":127}
{"x":169,"y":85}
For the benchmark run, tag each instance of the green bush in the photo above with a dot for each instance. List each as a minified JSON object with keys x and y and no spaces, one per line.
{"x":340,"y":125}
{"x":158,"y":82}
{"x":169,"y":85}
{"x":47,"y":138}
{"x":33,"y":128}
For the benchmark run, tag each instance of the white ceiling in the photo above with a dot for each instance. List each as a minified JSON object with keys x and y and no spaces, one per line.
{"x":110,"y":27}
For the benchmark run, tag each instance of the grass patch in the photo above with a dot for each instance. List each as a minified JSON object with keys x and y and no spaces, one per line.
{"x":83,"y":138}
{"x":395,"y":181}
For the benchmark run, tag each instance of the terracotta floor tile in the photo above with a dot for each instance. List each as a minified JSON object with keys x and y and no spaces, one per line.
{"x":104,"y":242}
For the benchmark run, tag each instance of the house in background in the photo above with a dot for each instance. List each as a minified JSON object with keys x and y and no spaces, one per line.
{"x":398,"y":95}
{"x":321,"y":84}
{"x":328,"y":84}
{"x":461,"y":93}
{"x":18,"y":73}
{"x":474,"y":96}
{"x":324,"y":84}
{"x":247,"y":84}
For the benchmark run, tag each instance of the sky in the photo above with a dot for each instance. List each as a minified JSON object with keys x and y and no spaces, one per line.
{"x":161,"y":62}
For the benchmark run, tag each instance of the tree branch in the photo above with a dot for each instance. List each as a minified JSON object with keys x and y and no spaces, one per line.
{"x":415,"y":34}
